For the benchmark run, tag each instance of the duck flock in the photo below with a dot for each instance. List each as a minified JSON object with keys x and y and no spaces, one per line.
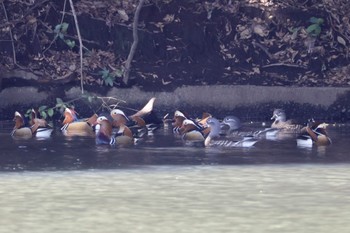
{"x":119,"y":129}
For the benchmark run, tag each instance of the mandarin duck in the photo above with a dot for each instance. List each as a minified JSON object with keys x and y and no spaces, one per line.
{"x":72,"y":127}
{"x":281,"y":128}
{"x":180,"y":117}
{"x":44,"y":130}
{"x":191,"y":134}
{"x":314,"y":133}
{"x":142,"y":123}
{"x":215,"y":139}
{"x":281,"y":122}
{"x":20,"y":131}
{"x":104,"y":133}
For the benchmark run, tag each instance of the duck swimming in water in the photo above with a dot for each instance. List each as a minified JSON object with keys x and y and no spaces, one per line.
{"x":72,"y":127}
{"x":214,"y":138}
{"x":104,"y":133}
{"x":20,"y":131}
{"x":314,"y":133}
{"x":281,"y":122}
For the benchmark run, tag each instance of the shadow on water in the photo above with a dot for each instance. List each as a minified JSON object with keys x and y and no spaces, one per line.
{"x":77,"y":153}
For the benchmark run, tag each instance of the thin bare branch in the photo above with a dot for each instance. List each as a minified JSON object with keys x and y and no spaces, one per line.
{"x":134,"y":44}
{"x":11,"y":35}
{"x":80,"y":46}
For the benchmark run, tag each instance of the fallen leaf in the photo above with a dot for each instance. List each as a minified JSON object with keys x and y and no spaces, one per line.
{"x":341,"y":40}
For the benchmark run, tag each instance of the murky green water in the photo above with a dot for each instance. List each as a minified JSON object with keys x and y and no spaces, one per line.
{"x":71,"y":185}
{"x":253,"y":198}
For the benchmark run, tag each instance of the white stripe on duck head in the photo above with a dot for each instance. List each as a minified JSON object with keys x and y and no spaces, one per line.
{"x":190,"y":131}
{"x":119,"y":117}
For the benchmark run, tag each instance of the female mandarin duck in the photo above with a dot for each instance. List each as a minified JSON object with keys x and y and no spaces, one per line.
{"x":231,"y":126}
{"x":71,"y":127}
{"x":20,"y":131}
{"x":281,"y":128}
{"x":44,"y":130}
{"x":214,"y":138}
{"x":281,"y":122}
{"x":314,"y":133}
{"x":104,"y":133}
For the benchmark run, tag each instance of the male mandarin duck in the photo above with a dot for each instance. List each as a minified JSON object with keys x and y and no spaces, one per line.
{"x":71,"y":127}
{"x":191,"y":132}
{"x":180,"y":117}
{"x":314,"y":133}
{"x":142,"y":122}
{"x":104,"y":133}
{"x":178,"y":120}
{"x":20,"y":131}
{"x":215,"y":139}
{"x":44,"y":130}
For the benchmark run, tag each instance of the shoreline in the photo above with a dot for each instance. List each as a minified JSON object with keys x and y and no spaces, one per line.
{"x":214,"y":98}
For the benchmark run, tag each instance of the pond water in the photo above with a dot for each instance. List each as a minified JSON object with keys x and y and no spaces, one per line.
{"x":71,"y":185}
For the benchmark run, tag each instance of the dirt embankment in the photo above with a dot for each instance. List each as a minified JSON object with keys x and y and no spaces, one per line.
{"x":288,"y":43}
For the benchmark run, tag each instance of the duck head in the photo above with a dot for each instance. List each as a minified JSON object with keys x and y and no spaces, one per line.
{"x":19,"y":121}
{"x":215,"y":128}
{"x":178,"y":119}
{"x":187,"y":126}
{"x":279,"y":115}
{"x":69,"y":116}
{"x":119,"y":117}
{"x":232,"y":122}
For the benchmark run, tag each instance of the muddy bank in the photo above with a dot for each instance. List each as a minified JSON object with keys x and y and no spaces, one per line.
{"x":246,"y":102}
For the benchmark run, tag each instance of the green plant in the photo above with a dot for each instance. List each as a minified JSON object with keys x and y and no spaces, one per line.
{"x":315,"y":28}
{"x":109,"y":77}
{"x":46,"y":111}
{"x":61,"y":31}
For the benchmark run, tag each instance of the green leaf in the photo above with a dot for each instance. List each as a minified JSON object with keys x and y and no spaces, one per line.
{"x":64,"y":27}
{"x":50,"y":112}
{"x":59,"y":101}
{"x":43,"y":114}
{"x":104,"y":73}
{"x":42,"y":108}
{"x":315,"y":20}
{"x":70,"y":43}
{"x":118,"y":73}
{"x":109,"y":82}
{"x":314,"y":29}
{"x":60,"y":35}
{"x":57,"y":28}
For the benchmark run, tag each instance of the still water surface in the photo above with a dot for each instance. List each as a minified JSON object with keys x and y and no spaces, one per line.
{"x":72,"y":185}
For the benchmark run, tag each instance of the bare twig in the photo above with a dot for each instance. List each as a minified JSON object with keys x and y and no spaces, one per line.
{"x":284,"y":64}
{"x":263,"y":48}
{"x":80,"y":46}
{"x":11,"y":35}
{"x":134,"y":44}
